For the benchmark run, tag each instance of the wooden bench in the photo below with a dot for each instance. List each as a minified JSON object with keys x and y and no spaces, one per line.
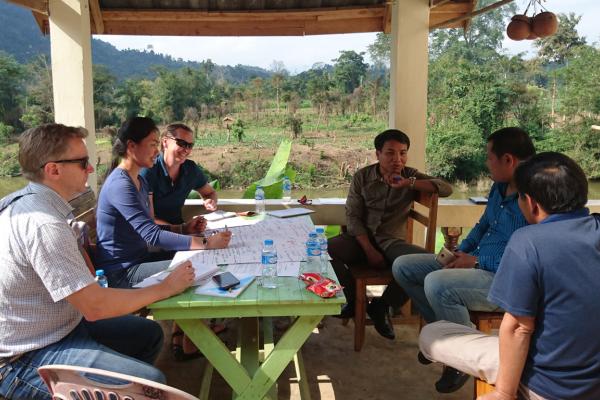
{"x":485,"y":322}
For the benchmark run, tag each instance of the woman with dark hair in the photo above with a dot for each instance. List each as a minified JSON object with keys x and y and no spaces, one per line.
{"x":125,"y":223}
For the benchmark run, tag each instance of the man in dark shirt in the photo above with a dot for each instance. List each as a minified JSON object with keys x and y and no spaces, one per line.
{"x":548,"y":283}
{"x":377,"y":210}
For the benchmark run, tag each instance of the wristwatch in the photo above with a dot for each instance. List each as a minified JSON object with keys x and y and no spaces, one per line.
{"x":412,"y":180}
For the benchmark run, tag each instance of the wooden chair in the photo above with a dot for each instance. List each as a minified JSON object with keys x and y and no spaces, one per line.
{"x":365,"y":276}
{"x":67,"y":382}
{"x":485,"y":322}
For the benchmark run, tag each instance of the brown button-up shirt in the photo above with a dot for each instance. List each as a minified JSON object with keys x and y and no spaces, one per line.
{"x":376,"y":209}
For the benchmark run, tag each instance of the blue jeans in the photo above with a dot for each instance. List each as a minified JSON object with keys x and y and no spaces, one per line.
{"x":443,"y":294}
{"x":127,"y":345}
{"x":126,"y":278}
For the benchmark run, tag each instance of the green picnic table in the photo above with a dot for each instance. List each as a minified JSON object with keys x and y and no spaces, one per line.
{"x":252,"y":372}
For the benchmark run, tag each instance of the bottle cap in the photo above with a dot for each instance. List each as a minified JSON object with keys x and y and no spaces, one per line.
{"x":99,"y":272}
{"x":286,"y":177}
{"x":268,"y":242}
{"x":320,"y":230}
{"x":312,"y":234}
{"x":259,"y":186}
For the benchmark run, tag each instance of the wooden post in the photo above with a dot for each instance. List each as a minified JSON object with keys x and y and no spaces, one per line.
{"x":408,"y":80}
{"x":408,"y":74}
{"x":70,"y":46}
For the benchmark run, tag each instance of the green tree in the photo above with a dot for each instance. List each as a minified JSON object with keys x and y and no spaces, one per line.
{"x":349,"y":70}
{"x":559,"y":47}
{"x":380,"y":50}
{"x":104,"y":100}
{"x":38,"y":104}
{"x":129,"y":98}
{"x":12,"y":76}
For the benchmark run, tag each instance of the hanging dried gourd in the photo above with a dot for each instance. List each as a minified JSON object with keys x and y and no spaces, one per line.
{"x":519,"y":27}
{"x":540,"y":24}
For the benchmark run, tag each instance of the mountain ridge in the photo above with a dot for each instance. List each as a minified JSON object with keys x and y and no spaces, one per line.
{"x":21,"y":37}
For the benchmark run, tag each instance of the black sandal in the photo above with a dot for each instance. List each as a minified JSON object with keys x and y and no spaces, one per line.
{"x":177,"y":350}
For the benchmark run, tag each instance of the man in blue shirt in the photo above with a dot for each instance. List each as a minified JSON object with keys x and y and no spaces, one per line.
{"x":173,"y":177}
{"x":449,"y":292}
{"x":548,"y":283}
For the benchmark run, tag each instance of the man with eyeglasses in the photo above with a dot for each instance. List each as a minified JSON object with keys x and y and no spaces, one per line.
{"x":51,"y":309}
{"x":173,"y":177}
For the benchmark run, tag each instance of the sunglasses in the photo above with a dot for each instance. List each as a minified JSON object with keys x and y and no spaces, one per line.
{"x":182,"y":143}
{"x":83,"y":162}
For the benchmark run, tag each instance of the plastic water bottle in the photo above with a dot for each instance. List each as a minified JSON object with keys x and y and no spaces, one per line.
{"x":313,"y":253}
{"x":287,"y":189}
{"x":269,"y":265}
{"x":323,"y":246}
{"x":101,"y":278}
{"x":259,"y":198}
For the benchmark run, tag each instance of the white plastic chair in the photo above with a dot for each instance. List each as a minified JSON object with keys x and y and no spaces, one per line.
{"x":67,"y":382}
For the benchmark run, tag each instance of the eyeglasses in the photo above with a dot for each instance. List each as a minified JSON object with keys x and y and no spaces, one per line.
{"x":182,"y":143}
{"x":83,"y":162}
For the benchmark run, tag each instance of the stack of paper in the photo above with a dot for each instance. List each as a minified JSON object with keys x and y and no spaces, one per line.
{"x":203,"y":272}
{"x":218,"y":215}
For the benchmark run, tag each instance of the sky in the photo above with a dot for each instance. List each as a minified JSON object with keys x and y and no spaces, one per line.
{"x":300,"y":53}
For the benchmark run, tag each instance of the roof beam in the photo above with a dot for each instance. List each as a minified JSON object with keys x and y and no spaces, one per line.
{"x":40,"y":6}
{"x":456,"y":20}
{"x":96,"y":14}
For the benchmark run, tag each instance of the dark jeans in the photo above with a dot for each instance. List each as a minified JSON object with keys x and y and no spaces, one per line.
{"x":347,"y":254}
{"x":127,"y":345}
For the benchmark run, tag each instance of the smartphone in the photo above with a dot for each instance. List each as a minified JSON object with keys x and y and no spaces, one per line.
{"x":445,"y":256}
{"x":226,"y":280}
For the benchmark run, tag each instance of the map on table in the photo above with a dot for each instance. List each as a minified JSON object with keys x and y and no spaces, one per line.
{"x":289,"y":236}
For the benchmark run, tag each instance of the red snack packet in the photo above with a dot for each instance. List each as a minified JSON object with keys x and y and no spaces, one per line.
{"x":323,"y":287}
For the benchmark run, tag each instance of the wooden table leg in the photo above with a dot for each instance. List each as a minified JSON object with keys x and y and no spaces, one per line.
{"x":216,"y":353}
{"x":280,"y":357}
{"x":233,"y":372}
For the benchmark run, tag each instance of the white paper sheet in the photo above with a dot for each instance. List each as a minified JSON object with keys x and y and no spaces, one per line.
{"x":218,"y":215}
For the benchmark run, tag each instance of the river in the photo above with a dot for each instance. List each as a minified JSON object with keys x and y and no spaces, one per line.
{"x":8,"y":185}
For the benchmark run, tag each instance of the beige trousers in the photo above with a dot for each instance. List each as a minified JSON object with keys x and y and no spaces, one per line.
{"x":465,"y":349}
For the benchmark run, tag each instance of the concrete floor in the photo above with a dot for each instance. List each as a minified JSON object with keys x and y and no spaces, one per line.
{"x":383,"y":370}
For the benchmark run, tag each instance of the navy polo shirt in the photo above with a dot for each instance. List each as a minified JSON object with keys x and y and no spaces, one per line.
{"x":551,"y":271}
{"x":169,"y":196}
{"x":488,"y":239}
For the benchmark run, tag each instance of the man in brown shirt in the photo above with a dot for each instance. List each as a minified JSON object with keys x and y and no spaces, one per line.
{"x":377,"y":210}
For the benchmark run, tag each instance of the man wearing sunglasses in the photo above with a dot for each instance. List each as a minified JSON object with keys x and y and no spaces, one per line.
{"x":173,"y":177}
{"x":52,"y":310}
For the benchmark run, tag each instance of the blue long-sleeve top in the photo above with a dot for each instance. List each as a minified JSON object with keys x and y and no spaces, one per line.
{"x":125,"y":227}
{"x":488,"y":239}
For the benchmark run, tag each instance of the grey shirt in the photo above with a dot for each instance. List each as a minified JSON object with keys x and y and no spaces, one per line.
{"x":376,"y":209}
{"x":40,"y":265}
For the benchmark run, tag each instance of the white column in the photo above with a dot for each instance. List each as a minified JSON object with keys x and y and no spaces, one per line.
{"x":71,"y":52}
{"x":408,"y":74}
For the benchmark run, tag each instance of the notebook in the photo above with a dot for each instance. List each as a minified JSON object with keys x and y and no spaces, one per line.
{"x":479,"y":199}
{"x":290,"y":212}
